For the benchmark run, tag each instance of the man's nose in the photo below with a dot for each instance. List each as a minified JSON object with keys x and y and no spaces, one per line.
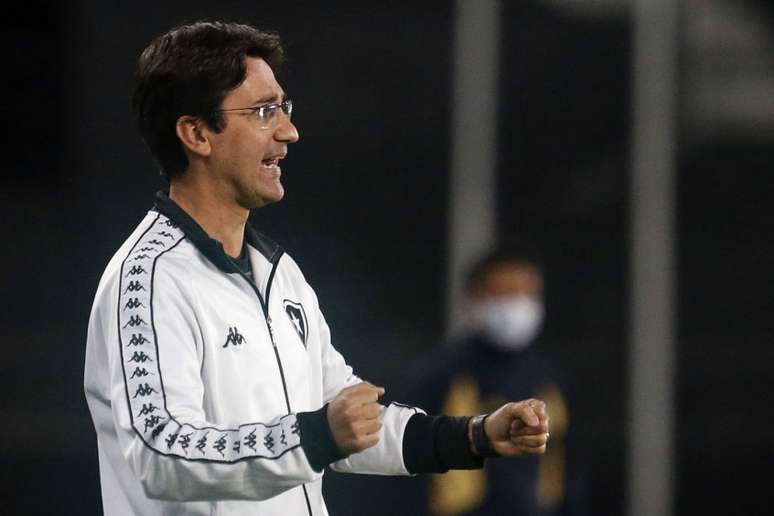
{"x":286,"y":131}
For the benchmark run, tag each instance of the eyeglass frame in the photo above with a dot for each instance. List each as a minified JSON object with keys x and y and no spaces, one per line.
{"x":286,"y":107}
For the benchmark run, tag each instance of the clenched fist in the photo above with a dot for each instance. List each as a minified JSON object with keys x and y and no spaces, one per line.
{"x":353,"y":417}
{"x":519,"y":428}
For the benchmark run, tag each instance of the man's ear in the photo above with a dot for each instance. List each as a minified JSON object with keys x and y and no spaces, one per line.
{"x":192,"y":132}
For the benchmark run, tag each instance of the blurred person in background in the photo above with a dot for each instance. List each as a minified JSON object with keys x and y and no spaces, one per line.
{"x":497,"y":358}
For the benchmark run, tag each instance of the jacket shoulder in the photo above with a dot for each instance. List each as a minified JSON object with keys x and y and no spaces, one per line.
{"x":133,"y":264}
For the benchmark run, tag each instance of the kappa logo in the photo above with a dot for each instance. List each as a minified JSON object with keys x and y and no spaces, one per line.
{"x":220,"y":445}
{"x":135,"y":270}
{"x":152,"y":421}
{"x":134,"y":286}
{"x":201,"y":443}
{"x":147,"y":408}
{"x":297,"y":317}
{"x":140,"y":372}
{"x":171,"y":440}
{"x":234,"y":337}
{"x":156,"y":431}
{"x":185,"y":442}
{"x":144,"y":390}
{"x":138,"y":339}
{"x":133,"y":303}
{"x":250,"y":440}
{"x":268,"y":441}
{"x":135,"y":320}
{"x":140,"y":357}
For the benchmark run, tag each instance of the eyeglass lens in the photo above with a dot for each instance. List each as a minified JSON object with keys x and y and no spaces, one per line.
{"x":269,"y":114}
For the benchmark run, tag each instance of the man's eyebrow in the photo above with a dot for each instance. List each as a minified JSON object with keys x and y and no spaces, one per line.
{"x":270,"y":98}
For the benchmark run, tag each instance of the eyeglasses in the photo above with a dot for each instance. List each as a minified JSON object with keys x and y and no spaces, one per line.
{"x":268,"y":115}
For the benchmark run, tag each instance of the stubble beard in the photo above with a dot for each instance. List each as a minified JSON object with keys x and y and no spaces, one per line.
{"x":253,"y":196}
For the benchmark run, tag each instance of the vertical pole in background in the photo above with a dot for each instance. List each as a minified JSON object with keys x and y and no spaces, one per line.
{"x":651,"y":467}
{"x":472,"y":199}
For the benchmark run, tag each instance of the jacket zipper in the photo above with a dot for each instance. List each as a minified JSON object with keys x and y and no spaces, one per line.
{"x":276,"y":354}
{"x":266,"y":317}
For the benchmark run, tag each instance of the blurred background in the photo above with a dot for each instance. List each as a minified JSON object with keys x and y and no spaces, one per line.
{"x":630,"y":141}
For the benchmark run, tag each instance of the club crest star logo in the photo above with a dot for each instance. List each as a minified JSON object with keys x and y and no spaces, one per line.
{"x":297,"y":316}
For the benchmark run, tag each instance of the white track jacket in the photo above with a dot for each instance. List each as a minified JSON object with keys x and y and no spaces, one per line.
{"x":195,"y":377}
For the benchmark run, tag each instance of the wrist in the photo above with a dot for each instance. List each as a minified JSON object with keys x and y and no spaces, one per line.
{"x":436,"y":444}
{"x":317,"y":439}
{"x":480,"y":444}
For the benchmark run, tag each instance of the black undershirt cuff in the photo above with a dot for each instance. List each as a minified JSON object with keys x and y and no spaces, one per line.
{"x":436,"y":444}
{"x":317,"y":439}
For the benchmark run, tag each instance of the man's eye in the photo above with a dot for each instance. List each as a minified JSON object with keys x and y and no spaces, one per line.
{"x":265,"y":112}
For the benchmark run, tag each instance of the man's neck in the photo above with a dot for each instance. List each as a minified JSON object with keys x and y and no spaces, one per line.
{"x":221,"y":218}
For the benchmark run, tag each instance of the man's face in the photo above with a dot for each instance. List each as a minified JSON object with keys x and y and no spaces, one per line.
{"x":244,"y":157}
{"x":506,"y":307}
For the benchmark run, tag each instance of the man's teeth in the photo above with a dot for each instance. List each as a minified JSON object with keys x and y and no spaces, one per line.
{"x":270,"y":162}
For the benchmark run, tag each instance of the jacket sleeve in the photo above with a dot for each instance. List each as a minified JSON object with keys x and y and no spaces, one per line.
{"x":386,"y":457}
{"x":157,"y":395}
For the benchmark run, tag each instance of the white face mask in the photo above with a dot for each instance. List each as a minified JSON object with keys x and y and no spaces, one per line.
{"x":510,"y":323}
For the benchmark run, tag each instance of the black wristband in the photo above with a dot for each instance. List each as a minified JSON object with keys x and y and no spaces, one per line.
{"x":436,"y":444}
{"x":317,"y":439}
{"x":481,"y":443}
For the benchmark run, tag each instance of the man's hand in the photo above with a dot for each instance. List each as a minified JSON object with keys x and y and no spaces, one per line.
{"x":517,"y":429}
{"x":353,"y":417}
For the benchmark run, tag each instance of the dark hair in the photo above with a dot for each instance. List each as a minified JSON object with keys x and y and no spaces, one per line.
{"x":188,"y":71}
{"x":510,"y":251}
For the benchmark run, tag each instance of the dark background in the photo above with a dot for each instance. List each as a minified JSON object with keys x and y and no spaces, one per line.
{"x":366,"y":214}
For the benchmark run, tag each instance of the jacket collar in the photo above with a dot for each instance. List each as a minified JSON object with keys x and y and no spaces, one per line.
{"x":210,"y":247}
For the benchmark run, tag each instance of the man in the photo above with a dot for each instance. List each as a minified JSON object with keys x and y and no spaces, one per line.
{"x":210,"y":375}
{"x":493,"y":360}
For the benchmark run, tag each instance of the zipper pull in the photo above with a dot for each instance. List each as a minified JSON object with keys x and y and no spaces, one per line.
{"x":271,"y":329}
